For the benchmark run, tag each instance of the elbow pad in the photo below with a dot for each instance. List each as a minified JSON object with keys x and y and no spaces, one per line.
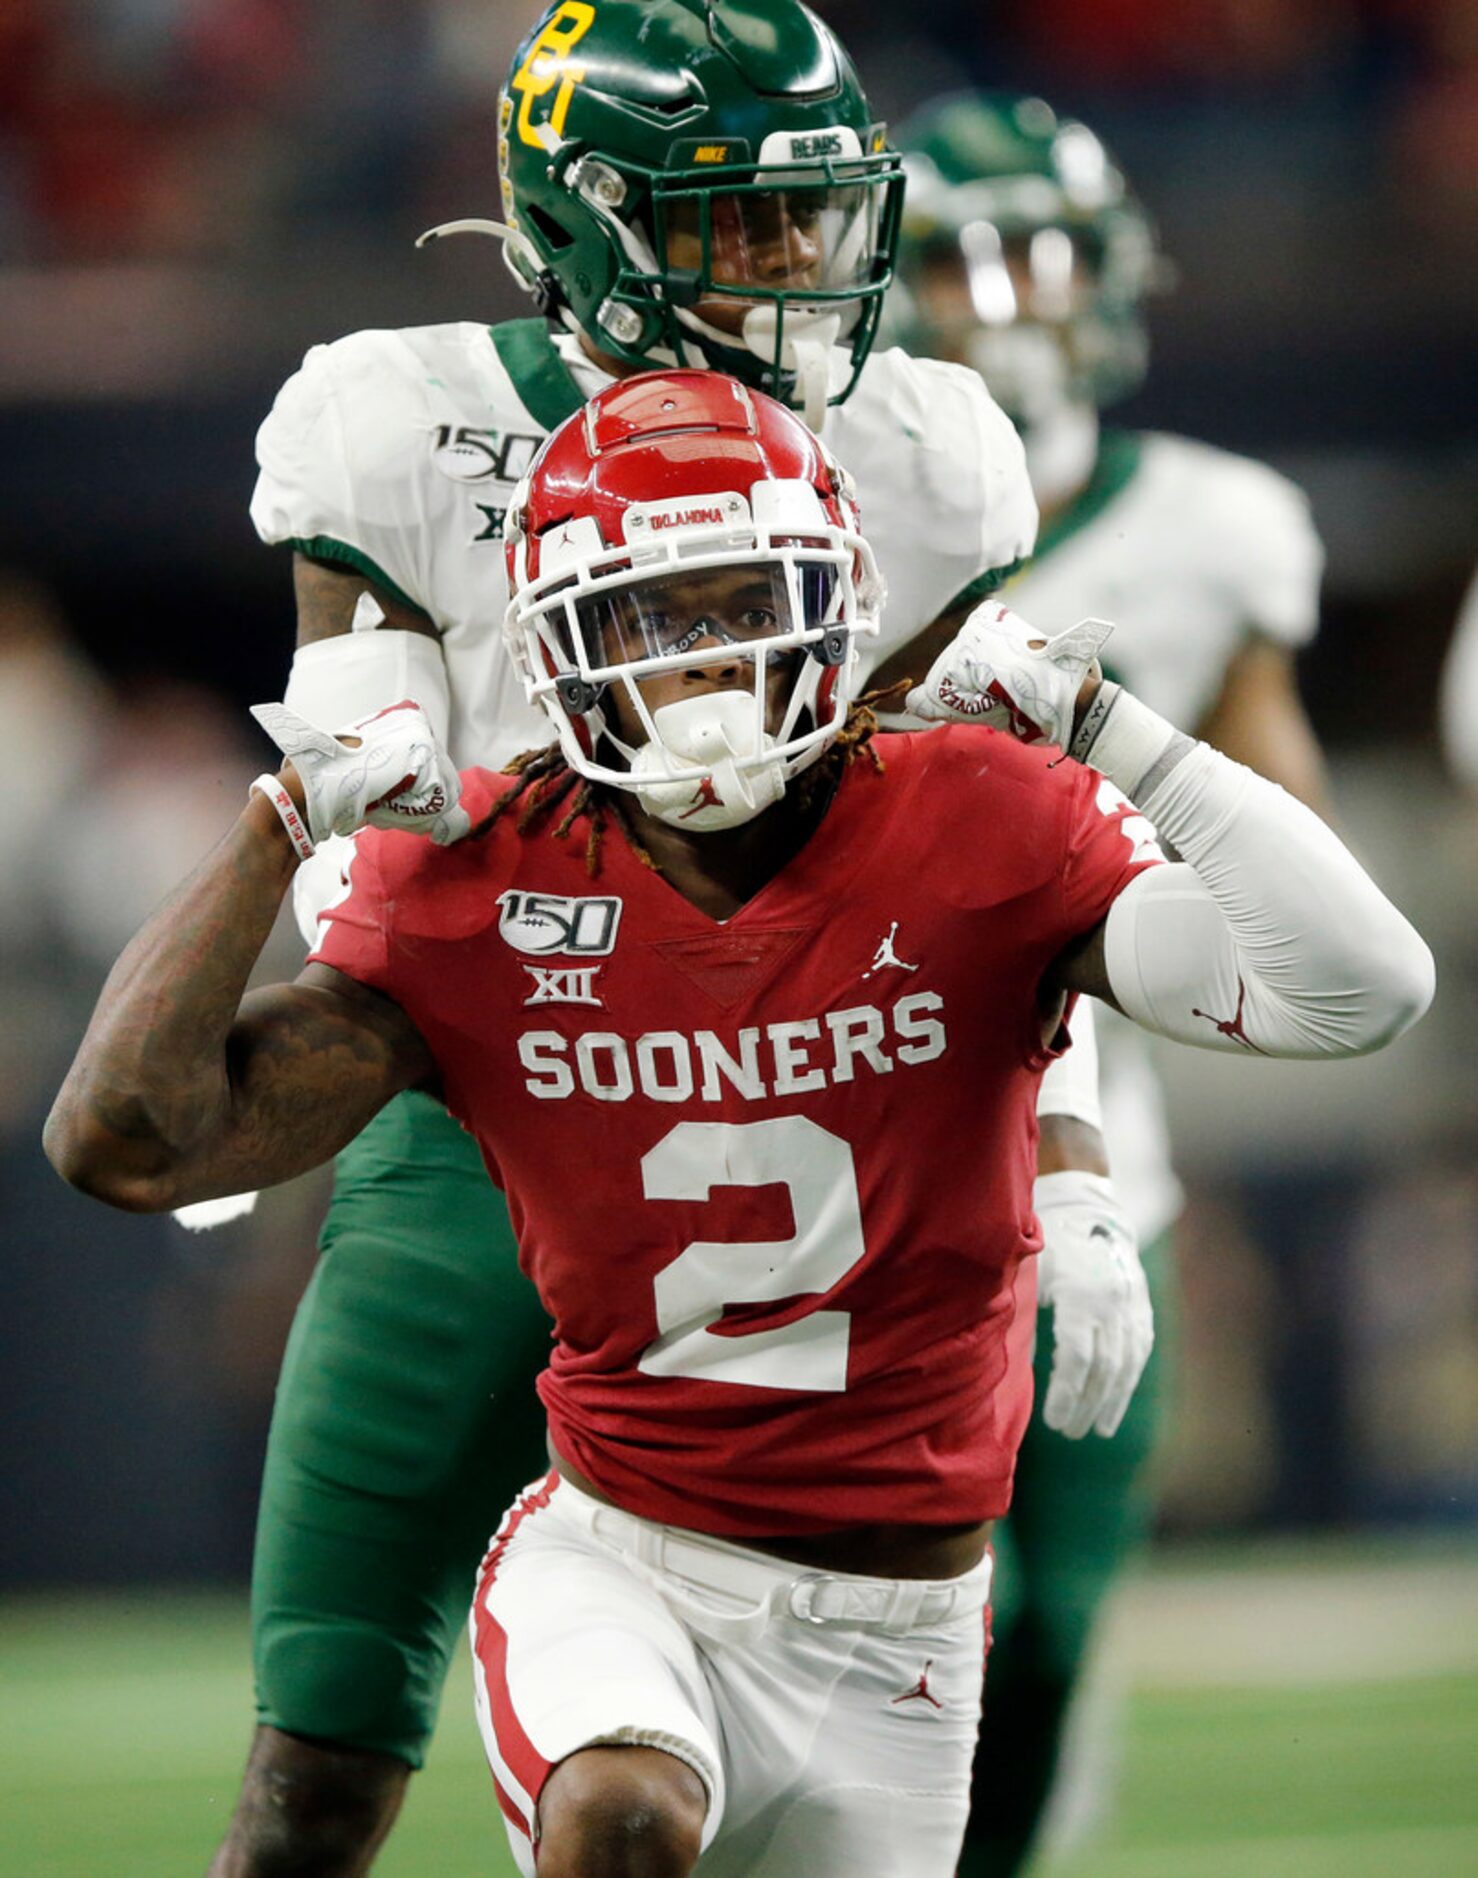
{"x":1273,"y":939}
{"x":338,"y":681}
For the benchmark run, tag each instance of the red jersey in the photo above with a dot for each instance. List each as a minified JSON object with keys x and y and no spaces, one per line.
{"x":771,"y":1175}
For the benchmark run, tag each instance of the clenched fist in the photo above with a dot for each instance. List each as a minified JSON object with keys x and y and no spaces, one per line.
{"x":997,"y":670}
{"x":385,"y":771}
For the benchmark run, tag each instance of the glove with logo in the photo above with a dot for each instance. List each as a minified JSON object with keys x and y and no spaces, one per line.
{"x":394,"y":775}
{"x":997,"y":670}
{"x":1102,"y":1326}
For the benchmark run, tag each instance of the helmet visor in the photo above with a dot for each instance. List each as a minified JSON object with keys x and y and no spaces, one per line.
{"x":730,"y":250}
{"x":704,"y":616}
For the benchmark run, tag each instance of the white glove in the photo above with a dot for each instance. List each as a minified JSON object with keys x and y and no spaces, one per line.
{"x":397,"y":776}
{"x":1102,"y":1326}
{"x":997,"y":670}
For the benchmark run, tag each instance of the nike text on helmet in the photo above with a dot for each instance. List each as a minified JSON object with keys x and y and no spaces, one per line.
{"x":701,"y":184}
{"x":1048,"y":254}
{"x":684,"y":524}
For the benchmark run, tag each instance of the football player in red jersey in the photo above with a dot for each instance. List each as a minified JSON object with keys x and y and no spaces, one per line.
{"x":755,"y":1060}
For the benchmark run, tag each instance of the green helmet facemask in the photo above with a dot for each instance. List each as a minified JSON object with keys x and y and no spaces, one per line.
{"x":1023,"y":254}
{"x":700,"y":184}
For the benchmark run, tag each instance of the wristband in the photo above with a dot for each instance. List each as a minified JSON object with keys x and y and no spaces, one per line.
{"x":288,"y":812}
{"x":1094,"y":719}
{"x":1134,"y":746}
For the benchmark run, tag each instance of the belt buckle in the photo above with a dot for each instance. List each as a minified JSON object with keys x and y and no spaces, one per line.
{"x":802,"y":1594}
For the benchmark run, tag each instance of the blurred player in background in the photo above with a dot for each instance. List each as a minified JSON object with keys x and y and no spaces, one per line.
{"x":1026,"y":256}
{"x":685,"y":183}
{"x":742,"y":1621}
{"x":1457,"y":706}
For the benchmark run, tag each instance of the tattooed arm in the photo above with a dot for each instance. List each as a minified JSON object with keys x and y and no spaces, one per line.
{"x":184,"y":1088}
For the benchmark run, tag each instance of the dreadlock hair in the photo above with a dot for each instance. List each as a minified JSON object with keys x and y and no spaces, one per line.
{"x":546,"y":783}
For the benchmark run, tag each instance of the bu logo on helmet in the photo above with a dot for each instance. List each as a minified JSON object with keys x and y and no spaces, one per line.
{"x":544,"y":923}
{"x":548,"y":65}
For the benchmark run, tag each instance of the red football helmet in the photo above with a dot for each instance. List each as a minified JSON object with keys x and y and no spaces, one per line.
{"x":686,"y":539}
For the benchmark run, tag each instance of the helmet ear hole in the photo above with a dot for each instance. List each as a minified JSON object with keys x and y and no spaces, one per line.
{"x":556,"y":235}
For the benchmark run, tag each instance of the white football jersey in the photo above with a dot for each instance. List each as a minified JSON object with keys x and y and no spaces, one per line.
{"x":1189,"y":550}
{"x":396,"y":454}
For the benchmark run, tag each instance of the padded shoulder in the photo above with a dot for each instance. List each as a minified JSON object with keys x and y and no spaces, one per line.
{"x":1253,"y":525}
{"x":345,"y":453}
{"x":959,"y":450}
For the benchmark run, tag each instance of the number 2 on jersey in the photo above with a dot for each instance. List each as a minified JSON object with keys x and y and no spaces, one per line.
{"x":691,"y":1293}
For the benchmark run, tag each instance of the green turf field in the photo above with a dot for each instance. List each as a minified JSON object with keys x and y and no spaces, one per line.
{"x":1284,"y":1716}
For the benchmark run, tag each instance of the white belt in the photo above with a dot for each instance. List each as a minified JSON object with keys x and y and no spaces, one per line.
{"x":769,"y":1587}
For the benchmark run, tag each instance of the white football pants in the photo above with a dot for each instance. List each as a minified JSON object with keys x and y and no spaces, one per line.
{"x":831,"y":1717}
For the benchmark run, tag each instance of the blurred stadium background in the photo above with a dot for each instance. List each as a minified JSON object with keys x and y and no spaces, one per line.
{"x":193,"y":191}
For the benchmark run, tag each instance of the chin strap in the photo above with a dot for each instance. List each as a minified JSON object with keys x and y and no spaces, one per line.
{"x":807,"y":349}
{"x":813,"y":378}
{"x":519,"y":252}
{"x":467,"y":225}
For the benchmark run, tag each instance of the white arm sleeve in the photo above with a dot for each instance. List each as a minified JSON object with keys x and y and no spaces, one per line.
{"x":1069,"y":1083}
{"x":1271,"y":937}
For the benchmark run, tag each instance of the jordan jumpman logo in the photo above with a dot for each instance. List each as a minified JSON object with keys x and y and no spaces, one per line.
{"x":1232,"y":1026}
{"x":920,"y":1691}
{"x":885,"y":955}
{"x":707,"y":797}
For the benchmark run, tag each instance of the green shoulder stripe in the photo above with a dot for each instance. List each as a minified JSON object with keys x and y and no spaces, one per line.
{"x":340,"y":554}
{"x":540,"y":376}
{"x":982,"y":587}
{"x":1119,"y":452}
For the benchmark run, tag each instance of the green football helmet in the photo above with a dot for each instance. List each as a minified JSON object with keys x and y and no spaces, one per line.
{"x":701,"y":182}
{"x":1023,"y":254}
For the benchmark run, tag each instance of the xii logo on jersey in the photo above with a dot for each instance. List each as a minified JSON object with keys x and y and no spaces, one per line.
{"x":541,"y":924}
{"x":555,"y":985}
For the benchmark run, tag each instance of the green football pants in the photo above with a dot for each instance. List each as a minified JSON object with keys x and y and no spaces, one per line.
{"x":1079,"y":1510}
{"x":406,"y":1421}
